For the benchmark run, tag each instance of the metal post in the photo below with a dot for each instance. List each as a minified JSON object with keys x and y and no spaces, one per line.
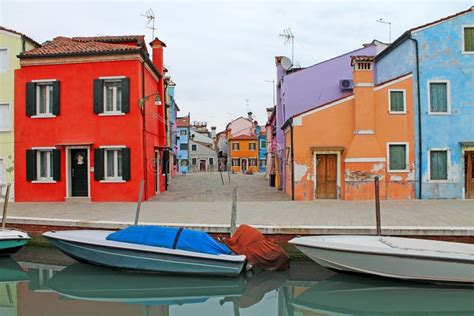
{"x":222,"y":178}
{"x":233,"y":216}
{"x":5,"y":206}
{"x":377,"y":207}
{"x":139,"y":204}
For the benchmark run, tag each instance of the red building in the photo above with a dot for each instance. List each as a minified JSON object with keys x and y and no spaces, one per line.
{"x":89,"y":120}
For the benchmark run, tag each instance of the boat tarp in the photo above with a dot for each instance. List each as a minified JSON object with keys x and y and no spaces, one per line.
{"x":171,"y":238}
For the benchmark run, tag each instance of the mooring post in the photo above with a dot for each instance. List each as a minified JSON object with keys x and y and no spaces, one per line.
{"x":233,"y":216}
{"x":222,"y":178}
{"x":377,"y":207}
{"x":5,"y":206}
{"x":139,"y":204}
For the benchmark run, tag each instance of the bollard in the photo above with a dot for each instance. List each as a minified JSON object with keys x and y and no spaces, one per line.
{"x":377,"y":207}
{"x":233,"y":216}
{"x":5,"y":206}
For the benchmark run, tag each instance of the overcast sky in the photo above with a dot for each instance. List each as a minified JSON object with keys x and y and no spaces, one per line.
{"x":221,"y":52}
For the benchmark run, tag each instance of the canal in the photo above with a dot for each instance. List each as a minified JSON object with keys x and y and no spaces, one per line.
{"x":42,"y":281}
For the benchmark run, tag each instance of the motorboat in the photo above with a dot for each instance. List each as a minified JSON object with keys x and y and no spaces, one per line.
{"x":394,"y":257}
{"x":11,"y":241}
{"x":92,"y":246}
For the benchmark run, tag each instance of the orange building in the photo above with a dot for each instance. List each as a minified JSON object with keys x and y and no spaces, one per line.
{"x":244,"y":153}
{"x":336,"y":150}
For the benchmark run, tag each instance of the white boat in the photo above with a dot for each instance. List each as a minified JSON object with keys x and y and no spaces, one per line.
{"x":394,"y":257}
{"x":11,"y":241}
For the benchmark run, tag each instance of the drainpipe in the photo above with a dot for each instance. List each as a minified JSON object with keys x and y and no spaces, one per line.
{"x":292,"y":165}
{"x":145,"y":162}
{"x":420,"y":153}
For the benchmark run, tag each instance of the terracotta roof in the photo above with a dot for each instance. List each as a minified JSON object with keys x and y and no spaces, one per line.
{"x":182,"y":121}
{"x":111,"y":39}
{"x":21,"y":34}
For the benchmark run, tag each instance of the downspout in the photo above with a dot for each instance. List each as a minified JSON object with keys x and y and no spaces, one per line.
{"x":292,"y":164}
{"x":166,"y":139}
{"x":145,"y":160}
{"x":420,"y":153}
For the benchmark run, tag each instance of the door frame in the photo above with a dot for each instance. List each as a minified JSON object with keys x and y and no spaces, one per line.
{"x":67,"y":150}
{"x":338,"y":172}
{"x":205,"y":164}
{"x":466,"y":194}
{"x":157,"y":158}
{"x":246,"y":164}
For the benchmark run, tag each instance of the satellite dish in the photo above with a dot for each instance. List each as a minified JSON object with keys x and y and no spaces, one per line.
{"x":286,"y":63}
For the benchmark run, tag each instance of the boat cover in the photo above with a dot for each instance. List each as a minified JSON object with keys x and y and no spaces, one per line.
{"x":259,"y":251}
{"x":171,"y":238}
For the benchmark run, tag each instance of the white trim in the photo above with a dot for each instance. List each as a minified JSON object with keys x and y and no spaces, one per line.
{"x":329,"y":105}
{"x":114,"y":180}
{"x":407,"y":156}
{"x":112,"y":113}
{"x":297,"y":121}
{"x":49,"y":163}
{"x":363,"y":132}
{"x":366,"y":159}
{"x":338,"y":171}
{"x":112,"y":146}
{"x":112,"y":77}
{"x":377,"y":88}
{"x":43,"y":148}
{"x":363,"y":84}
{"x":5,"y":32}
{"x":68,"y":173}
{"x":44,"y":80}
{"x":10,"y":125}
{"x":404,"y":101}
{"x":448,"y":96}
{"x":115,"y":177}
{"x":40,"y":116}
{"x":43,"y":181}
{"x":462,"y":38}
{"x":448,"y":165}
{"x":48,"y":94}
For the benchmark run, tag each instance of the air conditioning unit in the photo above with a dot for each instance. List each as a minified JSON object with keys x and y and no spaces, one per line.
{"x":345,"y":84}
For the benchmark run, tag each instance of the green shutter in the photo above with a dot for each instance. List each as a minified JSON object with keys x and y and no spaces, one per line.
{"x":396,"y":101}
{"x":126,"y":164}
{"x":98,"y":164}
{"x":439,"y":97}
{"x":397,"y":157}
{"x":56,"y":91}
{"x":126,"y":95}
{"x":98,"y":96}
{"x":30,"y":98}
{"x":56,"y":164}
{"x":30,"y":165}
{"x":469,"y":39}
{"x":439,"y":165}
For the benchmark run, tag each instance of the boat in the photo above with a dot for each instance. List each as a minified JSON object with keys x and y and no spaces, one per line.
{"x":11,"y":272}
{"x":344,"y":294}
{"x":11,"y":241}
{"x":92,"y":246}
{"x":394,"y":257}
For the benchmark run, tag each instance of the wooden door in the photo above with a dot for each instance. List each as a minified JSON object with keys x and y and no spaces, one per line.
{"x":326,"y":176}
{"x":202,"y":165}
{"x":469,"y":174}
{"x":244,"y":165}
{"x":79,"y":173}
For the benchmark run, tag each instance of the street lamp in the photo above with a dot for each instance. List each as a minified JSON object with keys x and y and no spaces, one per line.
{"x":158,"y":102}
{"x":389,"y":28}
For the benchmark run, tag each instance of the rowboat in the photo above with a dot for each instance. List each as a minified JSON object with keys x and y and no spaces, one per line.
{"x":11,"y":241}
{"x":92,"y":246}
{"x":394,"y":257}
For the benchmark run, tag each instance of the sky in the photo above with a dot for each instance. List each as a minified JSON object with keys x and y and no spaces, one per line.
{"x":221,"y":54}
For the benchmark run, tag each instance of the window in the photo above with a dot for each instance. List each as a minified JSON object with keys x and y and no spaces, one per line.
{"x":3,"y":60}
{"x":112,"y":96}
{"x":193,"y":147}
{"x":183,"y":146}
{"x":468,"y":39}
{"x":438,"y":97}
{"x":193,"y":161}
{"x":397,"y":157}
{"x":211,"y":161}
{"x":438,"y":164}
{"x":113,"y":164}
{"x":236,"y":162}
{"x":397,"y":101}
{"x":252,"y":146}
{"x":44,"y":163}
{"x":235,"y":146}
{"x":263,"y":144}
{"x":263,"y":162}
{"x":2,"y":173}
{"x":44,"y":99}
{"x":183,"y":132}
{"x":253,"y":162}
{"x":5,"y":117}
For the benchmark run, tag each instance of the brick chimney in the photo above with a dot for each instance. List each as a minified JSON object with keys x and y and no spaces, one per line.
{"x":157,"y":54}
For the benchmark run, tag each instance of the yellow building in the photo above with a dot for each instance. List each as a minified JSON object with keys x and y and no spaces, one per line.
{"x":11,"y":44}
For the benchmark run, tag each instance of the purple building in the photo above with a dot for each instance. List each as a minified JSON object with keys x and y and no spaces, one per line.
{"x":299,"y":90}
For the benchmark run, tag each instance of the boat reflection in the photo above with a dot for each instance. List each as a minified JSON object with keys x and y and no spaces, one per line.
{"x":10,"y":274}
{"x":349,"y":294}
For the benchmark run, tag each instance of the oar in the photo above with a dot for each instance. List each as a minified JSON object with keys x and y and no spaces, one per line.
{"x":5,"y":206}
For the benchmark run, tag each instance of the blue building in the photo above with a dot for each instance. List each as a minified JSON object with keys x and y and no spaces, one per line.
{"x":184,"y":127}
{"x":440,"y":55}
{"x":262,"y":149}
{"x":173,"y":110}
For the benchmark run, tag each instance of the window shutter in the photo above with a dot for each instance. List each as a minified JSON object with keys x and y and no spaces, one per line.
{"x":30,"y":99}
{"x":56,"y":97}
{"x":56,"y":164}
{"x":126,"y":164}
{"x":439,"y":97}
{"x":439,"y":165}
{"x":98,"y":164}
{"x":166,"y":159}
{"x":469,"y":39}
{"x":396,"y":101}
{"x":126,"y":95}
{"x":98,"y":96}
{"x":30,"y":165}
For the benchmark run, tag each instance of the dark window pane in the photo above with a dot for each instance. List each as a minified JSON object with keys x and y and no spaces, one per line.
{"x":439,"y":97}
{"x":439,"y":165}
{"x":396,"y":101}
{"x":397,"y":157}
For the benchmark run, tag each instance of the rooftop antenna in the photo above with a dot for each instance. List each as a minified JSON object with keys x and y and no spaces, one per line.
{"x":287,"y":34}
{"x":150,"y":24}
{"x":247,"y":104}
{"x":389,"y":28}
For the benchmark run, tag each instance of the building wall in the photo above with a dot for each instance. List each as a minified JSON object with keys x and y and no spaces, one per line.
{"x":243,"y":152}
{"x":262,"y":152}
{"x":183,"y":155}
{"x":240,"y":126}
{"x":202,"y":152}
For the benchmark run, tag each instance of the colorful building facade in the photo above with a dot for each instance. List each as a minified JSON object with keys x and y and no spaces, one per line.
{"x":262,"y":148}
{"x":89,"y":120}
{"x":244,"y":153}
{"x":171,"y":126}
{"x":184,"y":130}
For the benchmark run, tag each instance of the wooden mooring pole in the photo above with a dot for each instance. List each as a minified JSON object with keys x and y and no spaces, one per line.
{"x":139,"y":204}
{"x":5,"y":206}
{"x":377,"y":206}
{"x":233,"y":215}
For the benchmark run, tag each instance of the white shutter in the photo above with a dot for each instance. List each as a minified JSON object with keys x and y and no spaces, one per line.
{"x":5,"y":118}
{"x":3,"y":60}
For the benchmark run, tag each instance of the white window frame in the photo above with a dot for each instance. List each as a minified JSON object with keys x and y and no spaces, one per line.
{"x":49,"y":165}
{"x":448,"y":95}
{"x":255,"y":146}
{"x":114,"y":97}
{"x":463,"y":27}
{"x":9,"y":128}
{"x":39,"y":84}
{"x":407,"y":157}
{"x":115,"y":177}
{"x":448,"y":162}
{"x":238,"y":145}
{"x":404,"y":111}
{"x":7,"y":61}
{"x":183,"y":132}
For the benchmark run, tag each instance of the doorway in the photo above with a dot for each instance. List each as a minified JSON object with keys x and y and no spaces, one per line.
{"x":243,"y":165}
{"x":157,"y":171}
{"x":469,"y":174}
{"x":326,"y":176}
{"x":202,"y":165}
{"x":79,"y":172}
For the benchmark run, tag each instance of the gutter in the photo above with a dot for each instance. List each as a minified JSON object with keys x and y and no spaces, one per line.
{"x":292,"y":165}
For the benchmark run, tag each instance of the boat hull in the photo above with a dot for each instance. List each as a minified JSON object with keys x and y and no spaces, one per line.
{"x":129,"y":259}
{"x":10,"y":247}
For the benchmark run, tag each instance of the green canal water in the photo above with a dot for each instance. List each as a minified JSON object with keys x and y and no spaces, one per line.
{"x":41,"y":281}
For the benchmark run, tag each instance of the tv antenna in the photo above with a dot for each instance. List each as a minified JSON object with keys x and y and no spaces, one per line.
{"x":389,"y":28}
{"x":247,"y":101}
{"x":150,"y":24}
{"x":287,"y":34}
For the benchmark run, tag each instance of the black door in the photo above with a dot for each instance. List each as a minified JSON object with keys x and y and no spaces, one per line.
{"x":79,"y":177}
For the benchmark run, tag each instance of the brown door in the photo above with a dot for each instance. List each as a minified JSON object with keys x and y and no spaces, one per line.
{"x":469,"y":175}
{"x":202,"y":165}
{"x":326,"y":176}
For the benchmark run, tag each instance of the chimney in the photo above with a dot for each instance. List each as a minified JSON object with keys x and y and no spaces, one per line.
{"x":157,"y":57}
{"x":213,"y":132}
{"x":249,"y":115}
{"x":269,"y":112}
{"x":363,"y":78}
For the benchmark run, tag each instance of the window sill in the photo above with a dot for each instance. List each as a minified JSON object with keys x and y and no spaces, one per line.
{"x":43,"y":116}
{"x":44,"y":181}
{"x":397,"y":113}
{"x":398,"y":171}
{"x":439,"y":113}
{"x":440,"y":181}
{"x":112,"y":181}
{"x":4,"y":130}
{"x":111,"y":114}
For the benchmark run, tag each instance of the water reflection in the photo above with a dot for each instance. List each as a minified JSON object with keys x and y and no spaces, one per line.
{"x":306,"y":289}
